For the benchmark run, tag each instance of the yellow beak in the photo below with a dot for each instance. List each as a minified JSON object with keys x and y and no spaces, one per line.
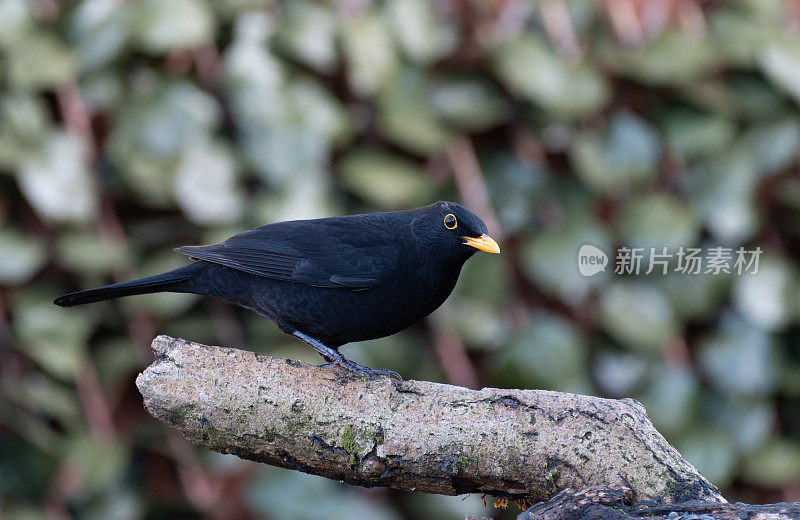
{"x":483,"y":242}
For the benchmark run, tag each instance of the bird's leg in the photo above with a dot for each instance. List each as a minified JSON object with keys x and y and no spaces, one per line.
{"x":335,"y":357}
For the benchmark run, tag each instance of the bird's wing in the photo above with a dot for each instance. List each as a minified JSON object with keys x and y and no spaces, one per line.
{"x":323,"y":253}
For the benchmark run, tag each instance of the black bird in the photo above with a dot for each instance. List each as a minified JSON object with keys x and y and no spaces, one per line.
{"x":329,"y":281}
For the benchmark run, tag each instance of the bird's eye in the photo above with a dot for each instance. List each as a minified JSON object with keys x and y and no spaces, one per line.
{"x":450,"y":221}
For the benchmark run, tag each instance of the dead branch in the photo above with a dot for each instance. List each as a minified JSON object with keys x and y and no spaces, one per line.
{"x":412,"y":435}
{"x":618,"y":504}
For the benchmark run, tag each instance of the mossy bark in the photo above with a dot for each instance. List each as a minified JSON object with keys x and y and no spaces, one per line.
{"x":412,"y":435}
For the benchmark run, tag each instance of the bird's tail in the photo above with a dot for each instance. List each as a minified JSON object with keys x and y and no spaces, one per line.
{"x":171,"y":281}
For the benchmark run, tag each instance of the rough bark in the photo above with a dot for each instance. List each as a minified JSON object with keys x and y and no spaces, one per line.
{"x":412,"y":435}
{"x":619,"y":504}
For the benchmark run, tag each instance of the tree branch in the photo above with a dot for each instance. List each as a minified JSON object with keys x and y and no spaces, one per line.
{"x":411,"y":435}
{"x":617,"y":504}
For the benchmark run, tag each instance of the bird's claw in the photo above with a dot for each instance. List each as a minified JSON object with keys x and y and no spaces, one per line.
{"x":334,"y":357}
{"x":377,"y":372}
{"x":365,"y":371}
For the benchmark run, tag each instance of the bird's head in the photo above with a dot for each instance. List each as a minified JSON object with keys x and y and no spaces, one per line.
{"x":453,"y":230}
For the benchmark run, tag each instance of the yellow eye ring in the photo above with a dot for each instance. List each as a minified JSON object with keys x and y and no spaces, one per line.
{"x":450,"y":221}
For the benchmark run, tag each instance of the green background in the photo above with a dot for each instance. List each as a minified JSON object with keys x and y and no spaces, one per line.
{"x":130,"y":128}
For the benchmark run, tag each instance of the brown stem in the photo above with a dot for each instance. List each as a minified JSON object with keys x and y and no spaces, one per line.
{"x":471,"y":185}
{"x":95,"y":405}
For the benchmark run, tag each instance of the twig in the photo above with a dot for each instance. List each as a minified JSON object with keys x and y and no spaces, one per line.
{"x":625,"y":22}
{"x":94,"y":402}
{"x":559,"y":28}
{"x":411,"y":435}
{"x":76,"y":117}
{"x":470,"y":182}
{"x":453,"y":357}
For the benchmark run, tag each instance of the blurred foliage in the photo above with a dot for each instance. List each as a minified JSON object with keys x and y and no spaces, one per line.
{"x":129,"y":128}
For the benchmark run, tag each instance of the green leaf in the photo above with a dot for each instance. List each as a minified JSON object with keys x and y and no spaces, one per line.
{"x":99,"y":464}
{"x":24,"y":126}
{"x":657,"y":221}
{"x":626,"y":156}
{"x":478,"y":324}
{"x":475,"y":312}
{"x":670,"y":397}
{"x":54,"y":337}
{"x":516,"y":187}
{"x":22,"y":256}
{"x":101,"y":92}
{"x":305,"y":195}
{"x":638,"y":316}
{"x":780,"y":61}
{"x":618,"y":373}
{"x":750,"y":422}
{"x":87,"y":253}
{"x":423,"y":37}
{"x":161,"y":119}
{"x":164,"y":25}
{"x":281,"y":152}
{"x":116,"y":503}
{"x":469,"y":104}
{"x":740,"y":33}
{"x":754,"y":98}
{"x":286,"y":126}
{"x":711,"y":451}
{"x":39,"y":60}
{"x":307,"y":31}
{"x":739,"y":359}
{"x":371,"y":56}
{"x":318,"y":110}
{"x":149,"y":178}
{"x":385,"y":180}
{"x":722,"y":192}
{"x":551,"y":258}
{"x":43,"y":395}
{"x":694,"y":296}
{"x":248,"y":61}
{"x":485,"y":280}
{"x":151,"y":131}
{"x":530,"y":69}
{"x":676,"y":57}
{"x":285,"y":495}
{"x":774,"y":465}
{"x":100,"y":30}
{"x":774,"y":145}
{"x":16,"y":18}
{"x":239,"y":8}
{"x":206,"y":185}
{"x":58,"y":183}
{"x":550,"y":352}
{"x":406,"y":117}
{"x":693,"y":134}
{"x":768,"y":298}
{"x":117,"y":363}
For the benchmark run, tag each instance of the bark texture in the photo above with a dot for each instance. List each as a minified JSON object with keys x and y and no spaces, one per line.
{"x":412,"y":435}
{"x":619,"y":504}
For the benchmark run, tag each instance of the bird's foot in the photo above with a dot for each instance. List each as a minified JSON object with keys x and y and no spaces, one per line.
{"x":362,"y":370}
{"x":334,"y":357}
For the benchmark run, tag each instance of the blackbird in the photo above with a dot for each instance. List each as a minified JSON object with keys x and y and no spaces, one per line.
{"x":329,"y":281}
